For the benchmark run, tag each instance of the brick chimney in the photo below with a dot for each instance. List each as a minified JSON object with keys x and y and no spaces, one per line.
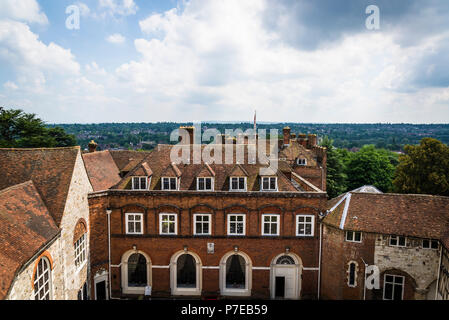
{"x":312,"y":141}
{"x":92,"y":146}
{"x":302,"y":139}
{"x":286,"y":132}
{"x":189,"y":131}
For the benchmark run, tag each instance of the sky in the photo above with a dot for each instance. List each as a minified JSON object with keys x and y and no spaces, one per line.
{"x":220,"y":60}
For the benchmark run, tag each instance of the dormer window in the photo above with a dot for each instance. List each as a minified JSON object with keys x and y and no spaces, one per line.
{"x":269,"y":184}
{"x":205,"y":184}
{"x":169,"y":183}
{"x":237,"y":184}
{"x":140,"y":183}
{"x":301,"y":161}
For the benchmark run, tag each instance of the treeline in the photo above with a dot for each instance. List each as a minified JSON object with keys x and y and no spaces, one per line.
{"x":421,"y":169}
{"x":391,"y":137}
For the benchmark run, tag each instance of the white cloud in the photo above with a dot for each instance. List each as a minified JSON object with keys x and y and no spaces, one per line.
{"x":10,"y":85}
{"x":116,"y":38}
{"x":31,"y":58}
{"x":22,"y":10}
{"x":218,"y":60}
{"x":120,"y":8}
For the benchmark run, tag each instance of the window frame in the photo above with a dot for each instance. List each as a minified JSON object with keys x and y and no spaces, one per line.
{"x":127,"y":222}
{"x":269,"y":183}
{"x":229,"y":215}
{"x":245,"y":186}
{"x":195,"y":215}
{"x":175,"y":222}
{"x":300,"y":160}
{"x":397,"y":239}
{"x":133,"y":187}
{"x":305,"y":222}
{"x":278,"y":223}
{"x":175,"y":290}
{"x":354,"y":284}
{"x":353,"y":236}
{"x":38,"y":288}
{"x":212,"y":182}
{"x":169,"y":184}
{"x":80,"y":247}
{"x":393,"y":284}
{"x":431,"y":241}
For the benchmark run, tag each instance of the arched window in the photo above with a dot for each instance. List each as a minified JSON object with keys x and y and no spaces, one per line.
{"x":137,"y":270}
{"x":285,"y":260}
{"x":352,"y":273}
{"x":80,"y":243}
{"x":42,"y":280}
{"x":186,"y":272}
{"x":235,"y":272}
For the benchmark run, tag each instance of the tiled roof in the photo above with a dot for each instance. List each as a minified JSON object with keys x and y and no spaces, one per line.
{"x":26,"y":227}
{"x":101,"y":170}
{"x":422,"y":216}
{"x":50,"y":169}
{"x":296,"y":150}
{"x":160,"y":163}
{"x":123,"y":157}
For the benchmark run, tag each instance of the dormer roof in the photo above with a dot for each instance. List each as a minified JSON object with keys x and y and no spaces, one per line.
{"x":206,"y":171}
{"x":171,"y":170}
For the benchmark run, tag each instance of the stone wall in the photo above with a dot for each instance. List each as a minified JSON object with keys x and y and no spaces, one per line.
{"x":76,"y":208}
{"x":420,"y":264}
{"x":23,"y":286}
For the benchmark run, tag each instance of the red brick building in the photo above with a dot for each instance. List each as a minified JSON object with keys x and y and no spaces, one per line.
{"x":402,"y":234}
{"x":206,"y":229}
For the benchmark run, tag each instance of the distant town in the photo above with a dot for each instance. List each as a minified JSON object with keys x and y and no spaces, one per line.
{"x":145,"y":136}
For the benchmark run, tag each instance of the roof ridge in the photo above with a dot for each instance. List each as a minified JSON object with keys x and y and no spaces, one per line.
{"x":17,"y":186}
{"x":36,"y":149}
{"x":399,"y":194}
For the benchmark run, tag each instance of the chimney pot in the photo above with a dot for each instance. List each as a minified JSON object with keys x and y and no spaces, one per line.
{"x":92,"y":146}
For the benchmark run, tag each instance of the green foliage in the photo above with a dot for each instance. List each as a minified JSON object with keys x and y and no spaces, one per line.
{"x":24,"y":130}
{"x":424,"y":169}
{"x":370,"y":166}
{"x":336,"y":178}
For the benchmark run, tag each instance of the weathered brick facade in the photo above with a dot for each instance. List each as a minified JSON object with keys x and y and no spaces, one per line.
{"x":261,"y":250}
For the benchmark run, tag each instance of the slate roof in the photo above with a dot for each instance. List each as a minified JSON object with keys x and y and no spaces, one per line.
{"x":161,"y":165}
{"x":101,"y":169}
{"x":26,"y":226}
{"x":50,"y":169}
{"x":422,"y":216}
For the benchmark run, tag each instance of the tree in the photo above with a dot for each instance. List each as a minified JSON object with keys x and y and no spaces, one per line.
{"x":336,"y":178}
{"x":423,"y":169}
{"x":24,"y":130}
{"x":371,"y":166}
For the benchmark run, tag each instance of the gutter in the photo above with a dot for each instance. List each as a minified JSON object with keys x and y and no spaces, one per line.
{"x":439,"y":271}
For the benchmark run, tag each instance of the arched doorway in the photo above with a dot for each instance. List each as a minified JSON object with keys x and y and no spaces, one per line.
{"x":285,"y":277}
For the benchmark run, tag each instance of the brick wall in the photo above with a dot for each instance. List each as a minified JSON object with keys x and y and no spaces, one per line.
{"x":261,"y":250}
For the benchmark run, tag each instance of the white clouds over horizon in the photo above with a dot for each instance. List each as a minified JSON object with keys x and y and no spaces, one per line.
{"x":220,"y":60}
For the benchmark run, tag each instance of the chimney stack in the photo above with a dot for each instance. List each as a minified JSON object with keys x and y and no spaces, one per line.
{"x":189,"y":131}
{"x":92,"y":146}
{"x":286,"y":132}
{"x":312,"y":140}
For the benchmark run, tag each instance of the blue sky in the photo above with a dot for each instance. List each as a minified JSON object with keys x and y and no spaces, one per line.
{"x":292,"y":60}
